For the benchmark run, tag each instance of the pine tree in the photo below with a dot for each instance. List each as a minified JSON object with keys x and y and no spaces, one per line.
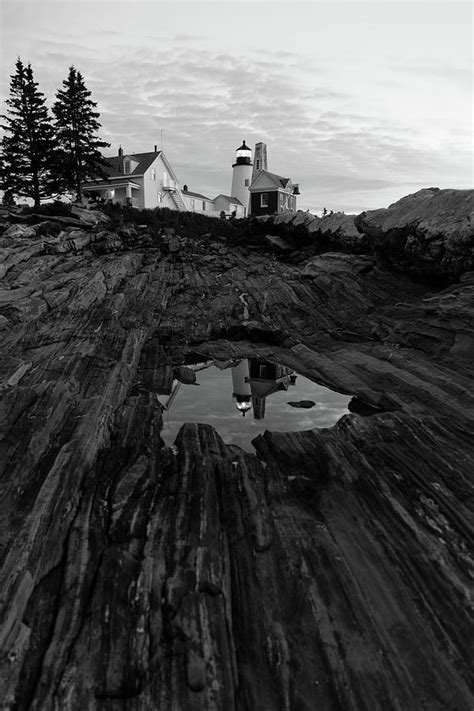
{"x":78,"y":155}
{"x":27,"y":144}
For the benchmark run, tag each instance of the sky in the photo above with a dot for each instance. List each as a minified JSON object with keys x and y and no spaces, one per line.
{"x":212,"y":403}
{"x":360,"y":103}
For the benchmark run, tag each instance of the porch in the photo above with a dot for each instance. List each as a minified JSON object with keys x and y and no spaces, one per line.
{"x":116,"y":192}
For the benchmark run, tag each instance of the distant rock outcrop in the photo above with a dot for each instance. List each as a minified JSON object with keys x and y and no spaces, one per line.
{"x":429,"y":233}
{"x":333,"y":231}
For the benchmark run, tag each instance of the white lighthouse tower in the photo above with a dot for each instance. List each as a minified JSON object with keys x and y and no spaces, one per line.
{"x":242,"y":394}
{"x":242,"y":175}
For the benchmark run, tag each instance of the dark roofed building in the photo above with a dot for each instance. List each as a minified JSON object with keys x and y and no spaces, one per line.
{"x":271,"y":193}
{"x":133,"y":164}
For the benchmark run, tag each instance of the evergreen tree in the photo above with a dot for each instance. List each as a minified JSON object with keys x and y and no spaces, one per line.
{"x":27,"y":144}
{"x":78,"y":155}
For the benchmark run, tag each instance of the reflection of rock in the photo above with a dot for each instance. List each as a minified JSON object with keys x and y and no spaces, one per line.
{"x":185,"y":375}
{"x":362,"y":408}
{"x":303,"y":403}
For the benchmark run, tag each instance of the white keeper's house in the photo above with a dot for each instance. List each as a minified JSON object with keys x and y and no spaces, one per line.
{"x":147,"y":180}
{"x":143,"y":180}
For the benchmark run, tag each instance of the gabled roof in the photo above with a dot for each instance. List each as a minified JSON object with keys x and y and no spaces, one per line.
{"x":145,"y":160}
{"x":198,"y":195}
{"x":277,"y":180}
{"x":233,"y":200}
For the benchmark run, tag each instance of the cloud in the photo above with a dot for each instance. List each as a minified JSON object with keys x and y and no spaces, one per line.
{"x":350,"y":134}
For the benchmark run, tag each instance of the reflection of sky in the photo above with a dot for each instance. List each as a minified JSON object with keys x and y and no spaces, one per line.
{"x":211,"y":403}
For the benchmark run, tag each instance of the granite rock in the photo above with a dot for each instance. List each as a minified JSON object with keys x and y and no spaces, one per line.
{"x":429,"y":233}
{"x":330,"y":569}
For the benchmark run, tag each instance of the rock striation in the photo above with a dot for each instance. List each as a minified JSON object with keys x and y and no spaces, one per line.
{"x":331,"y":569}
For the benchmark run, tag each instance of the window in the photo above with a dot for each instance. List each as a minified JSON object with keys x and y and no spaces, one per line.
{"x":264,"y":200}
{"x":247,"y":182}
{"x":126,"y":166}
{"x":153,"y":174}
{"x":258,"y":165}
{"x":192,"y":205}
{"x":203,"y":205}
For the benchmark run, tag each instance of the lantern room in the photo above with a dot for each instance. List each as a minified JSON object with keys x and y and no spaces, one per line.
{"x":243,"y":155}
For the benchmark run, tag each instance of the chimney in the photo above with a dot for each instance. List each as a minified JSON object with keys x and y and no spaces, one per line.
{"x":120,"y":152}
{"x":156,"y":148}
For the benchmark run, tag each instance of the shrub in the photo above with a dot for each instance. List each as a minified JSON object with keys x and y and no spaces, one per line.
{"x":56,"y":208}
{"x":187,"y":224}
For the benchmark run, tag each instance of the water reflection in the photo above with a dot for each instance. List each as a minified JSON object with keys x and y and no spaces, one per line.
{"x":254,"y":380}
{"x":243,"y":397}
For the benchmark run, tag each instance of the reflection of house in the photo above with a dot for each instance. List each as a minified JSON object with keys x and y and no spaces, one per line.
{"x":254,"y":380}
{"x":144,"y":180}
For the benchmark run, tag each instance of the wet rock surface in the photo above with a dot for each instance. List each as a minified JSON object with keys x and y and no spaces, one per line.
{"x":331,"y":569}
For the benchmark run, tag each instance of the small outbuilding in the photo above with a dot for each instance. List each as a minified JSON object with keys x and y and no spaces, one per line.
{"x":230,"y":205}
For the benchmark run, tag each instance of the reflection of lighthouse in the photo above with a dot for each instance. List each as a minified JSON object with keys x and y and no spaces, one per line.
{"x":253,"y":380}
{"x":240,"y":382}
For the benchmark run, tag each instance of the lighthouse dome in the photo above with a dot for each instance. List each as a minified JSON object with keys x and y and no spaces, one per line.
{"x":243,"y":155}
{"x":243,"y":403}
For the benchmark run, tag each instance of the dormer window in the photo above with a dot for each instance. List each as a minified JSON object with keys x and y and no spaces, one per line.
{"x":129,"y":164}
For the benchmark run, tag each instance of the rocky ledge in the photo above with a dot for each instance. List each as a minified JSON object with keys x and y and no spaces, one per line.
{"x":332,"y":568}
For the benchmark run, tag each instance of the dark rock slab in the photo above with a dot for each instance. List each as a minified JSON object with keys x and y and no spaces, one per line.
{"x":333,"y":570}
{"x":185,"y":375}
{"x":278,"y":243}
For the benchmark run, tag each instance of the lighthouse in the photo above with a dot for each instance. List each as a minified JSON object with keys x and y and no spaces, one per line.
{"x":242,"y":394}
{"x":242,"y":175}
